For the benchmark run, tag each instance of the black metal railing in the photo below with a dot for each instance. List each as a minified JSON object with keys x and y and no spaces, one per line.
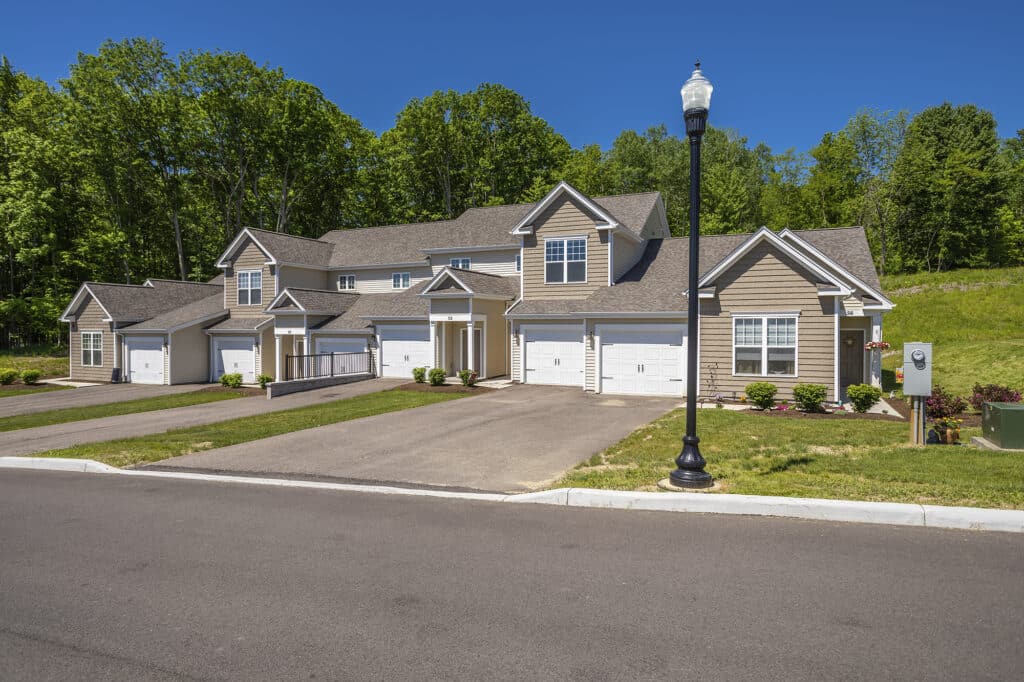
{"x":326,"y":365}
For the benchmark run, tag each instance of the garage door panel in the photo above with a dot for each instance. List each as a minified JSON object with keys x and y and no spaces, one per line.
{"x":554,"y":355}
{"x":404,"y":348}
{"x":643,"y":361}
{"x":235,"y":356}
{"x":145,"y":359}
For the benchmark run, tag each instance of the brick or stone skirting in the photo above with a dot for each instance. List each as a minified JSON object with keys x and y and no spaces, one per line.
{"x":280,"y":388}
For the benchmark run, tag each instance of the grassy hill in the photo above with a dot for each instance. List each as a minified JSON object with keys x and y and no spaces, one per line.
{"x":975,"y":318}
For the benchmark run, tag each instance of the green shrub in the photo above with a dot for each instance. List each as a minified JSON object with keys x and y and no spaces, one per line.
{"x":419,"y":374}
{"x":264,"y":379}
{"x":231,"y":380}
{"x":31,"y":376}
{"x":761,"y":393}
{"x":8,"y":375}
{"x":809,"y":397}
{"x":436,"y":376}
{"x":468,"y":377}
{"x":863,"y":396}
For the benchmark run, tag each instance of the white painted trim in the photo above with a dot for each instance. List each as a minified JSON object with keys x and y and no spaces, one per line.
{"x":525,"y":226}
{"x":522,"y":347}
{"x":599,"y":355}
{"x":886,"y":303}
{"x":401,"y":276}
{"x":170,"y":359}
{"x":876,"y":335}
{"x":592,"y":314}
{"x":455,"y":297}
{"x":85,"y":289}
{"x":611,"y":260}
{"x":339,"y":332}
{"x":566,"y":261}
{"x":222,"y":263}
{"x":764,"y":234}
{"x":249,"y":287}
{"x":277,"y":299}
{"x":445,"y":271}
{"x":277,"y":357}
{"x":764,"y":317}
{"x":81,"y":347}
{"x":391,"y":318}
{"x":346,"y":275}
{"x":865,"y":359}
{"x":766,"y":313}
{"x":837,"y":307}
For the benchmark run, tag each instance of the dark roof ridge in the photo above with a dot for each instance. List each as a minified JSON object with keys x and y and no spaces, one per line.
{"x":825,"y":229}
{"x":182,"y":281}
{"x":322,"y":291}
{"x":115,"y":284}
{"x":285,"y":234}
{"x":383,"y":227}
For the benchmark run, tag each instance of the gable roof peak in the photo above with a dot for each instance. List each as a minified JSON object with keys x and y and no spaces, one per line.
{"x":525,"y":225}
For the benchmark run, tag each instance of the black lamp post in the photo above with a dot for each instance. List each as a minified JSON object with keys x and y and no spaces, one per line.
{"x":690,"y":472}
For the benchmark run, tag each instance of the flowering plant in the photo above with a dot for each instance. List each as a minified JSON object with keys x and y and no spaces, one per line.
{"x":877,"y":345}
{"x":946,"y":423}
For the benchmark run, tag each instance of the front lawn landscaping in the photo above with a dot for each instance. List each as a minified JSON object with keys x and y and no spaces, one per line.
{"x":131,"y":451}
{"x":13,"y":390}
{"x":50,"y":361}
{"x":74,"y":414}
{"x":846,"y":458}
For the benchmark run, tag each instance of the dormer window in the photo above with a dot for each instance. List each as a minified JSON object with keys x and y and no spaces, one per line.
{"x":346,"y":282}
{"x":250,"y":287}
{"x":565,"y":260}
{"x":460,"y":263}
{"x":399,"y":280}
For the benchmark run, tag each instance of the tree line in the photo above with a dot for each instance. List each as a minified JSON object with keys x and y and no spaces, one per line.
{"x":142,"y":164}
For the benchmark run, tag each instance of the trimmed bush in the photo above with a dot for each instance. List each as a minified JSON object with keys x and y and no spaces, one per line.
{"x":231,"y":380}
{"x":989,"y":393}
{"x":264,"y":379}
{"x":863,"y":396}
{"x":419,"y":374}
{"x":943,"y":404}
{"x":31,"y":376}
{"x":8,"y":375}
{"x":809,"y":397}
{"x":762,"y":394}
{"x":436,"y":376}
{"x":468,"y":377}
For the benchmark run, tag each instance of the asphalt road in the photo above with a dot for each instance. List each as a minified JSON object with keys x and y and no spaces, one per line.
{"x":105,"y":577}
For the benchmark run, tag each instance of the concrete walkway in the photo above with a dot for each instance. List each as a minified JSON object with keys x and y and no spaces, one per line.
{"x":516,"y":439}
{"x":28,"y":441}
{"x":87,"y":395}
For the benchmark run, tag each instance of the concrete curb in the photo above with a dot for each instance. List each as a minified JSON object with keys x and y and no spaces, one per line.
{"x":846,"y":511}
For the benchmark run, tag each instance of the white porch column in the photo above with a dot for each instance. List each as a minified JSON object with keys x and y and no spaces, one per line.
{"x":876,"y":356}
{"x":433,"y":343}
{"x":277,"y":357}
{"x":469,"y":346}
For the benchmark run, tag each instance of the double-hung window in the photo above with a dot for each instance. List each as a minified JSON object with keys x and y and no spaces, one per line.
{"x":399,"y":280}
{"x":346,"y":282}
{"x":250,"y":287}
{"x":565,"y":260}
{"x":92,"y":349}
{"x":460,"y":263}
{"x":764,"y":346}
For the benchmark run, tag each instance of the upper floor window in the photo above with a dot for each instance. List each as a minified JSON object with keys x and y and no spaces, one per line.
{"x":399,"y":280}
{"x":250,"y":287}
{"x":519,"y":262}
{"x":92,"y":349}
{"x":565,"y":260}
{"x":460,"y":263}
{"x":764,"y":346}
{"x":346,"y":282}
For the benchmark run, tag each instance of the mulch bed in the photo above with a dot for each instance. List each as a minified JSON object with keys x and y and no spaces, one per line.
{"x":446,"y":388}
{"x":246,"y":391}
{"x":794,"y":413}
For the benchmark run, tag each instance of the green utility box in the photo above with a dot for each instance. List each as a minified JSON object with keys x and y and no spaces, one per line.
{"x":1003,"y":424}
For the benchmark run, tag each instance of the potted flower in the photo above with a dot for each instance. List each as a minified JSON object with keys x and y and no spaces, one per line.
{"x":948,"y":429}
{"x":877,"y":345}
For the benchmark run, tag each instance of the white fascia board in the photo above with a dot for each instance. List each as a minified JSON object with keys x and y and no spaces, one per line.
{"x":222,"y":262}
{"x":634,"y":314}
{"x":514,"y":304}
{"x":387,"y":318}
{"x":525,"y":226}
{"x":470,"y":249}
{"x":277,"y":299}
{"x":456,"y":297}
{"x":764,"y":234}
{"x":446,"y":270}
{"x":768,"y":313}
{"x":337,"y":332}
{"x":836,"y":291}
{"x":548,"y":316}
{"x":75,"y":301}
{"x":620,"y":230}
{"x":787,"y":233}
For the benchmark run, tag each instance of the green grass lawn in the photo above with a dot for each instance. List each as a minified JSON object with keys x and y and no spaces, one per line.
{"x":130,"y":451}
{"x":841,"y":458}
{"x":74,"y":414}
{"x":52,"y":362}
{"x":975,"y":318}
{"x":19,"y":389}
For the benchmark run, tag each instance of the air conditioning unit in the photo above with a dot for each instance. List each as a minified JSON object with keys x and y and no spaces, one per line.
{"x":1002,"y":424}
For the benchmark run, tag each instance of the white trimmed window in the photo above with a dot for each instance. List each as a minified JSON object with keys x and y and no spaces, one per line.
{"x":92,"y":349}
{"x":460,"y":263}
{"x":250,"y":287}
{"x":764,"y":346}
{"x":399,"y":280}
{"x":565,"y":260}
{"x":346,"y":282}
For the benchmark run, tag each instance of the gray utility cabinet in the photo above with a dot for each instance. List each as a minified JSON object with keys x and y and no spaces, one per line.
{"x":1003,"y":424}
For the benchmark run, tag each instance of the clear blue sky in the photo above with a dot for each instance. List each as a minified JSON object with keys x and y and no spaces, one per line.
{"x":784,"y":73}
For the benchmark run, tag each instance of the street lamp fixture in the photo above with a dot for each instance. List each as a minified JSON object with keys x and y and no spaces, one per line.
{"x":690,"y":463}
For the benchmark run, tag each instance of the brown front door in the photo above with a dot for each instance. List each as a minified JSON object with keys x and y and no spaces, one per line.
{"x":851,"y":357}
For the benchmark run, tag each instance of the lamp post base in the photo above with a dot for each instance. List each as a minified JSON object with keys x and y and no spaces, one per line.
{"x":690,"y":472}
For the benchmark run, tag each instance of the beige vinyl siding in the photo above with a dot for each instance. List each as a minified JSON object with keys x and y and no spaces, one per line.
{"x":625,"y":254}
{"x":189,"y":356}
{"x":90,"y":319}
{"x":765,"y":281}
{"x":265,"y":362}
{"x":492,"y":262}
{"x":304,"y":278}
{"x":513,"y":344}
{"x":564,"y":219}
{"x":249,"y":258}
{"x":378,"y":280}
{"x":451,"y":306}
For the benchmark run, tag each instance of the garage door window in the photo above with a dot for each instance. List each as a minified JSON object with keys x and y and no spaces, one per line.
{"x":92,"y":349}
{"x":250,"y":287}
{"x":764,"y":346}
{"x":565,"y":260}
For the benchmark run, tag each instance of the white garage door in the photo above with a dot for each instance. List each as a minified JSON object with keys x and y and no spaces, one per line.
{"x":145,"y":359}
{"x":643,"y":361}
{"x":234,"y":355}
{"x":340,"y":345}
{"x":403,"y":348}
{"x":554,"y":355}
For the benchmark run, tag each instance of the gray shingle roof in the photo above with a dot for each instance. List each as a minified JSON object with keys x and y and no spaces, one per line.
{"x":487,"y":284}
{"x":368,"y":306}
{"x":318,"y":300}
{"x":287,"y":248}
{"x":847,"y":246}
{"x":197,"y":312}
{"x":240,"y":324}
{"x":135,"y":303}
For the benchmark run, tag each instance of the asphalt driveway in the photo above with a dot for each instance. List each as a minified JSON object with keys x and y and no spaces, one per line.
{"x":43,"y":438}
{"x":515,"y":439}
{"x":87,"y":395}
